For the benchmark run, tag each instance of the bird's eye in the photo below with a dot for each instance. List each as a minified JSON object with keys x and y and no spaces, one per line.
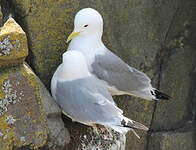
{"x":86,"y":25}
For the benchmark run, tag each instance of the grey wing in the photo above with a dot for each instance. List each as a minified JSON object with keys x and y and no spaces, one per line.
{"x":83,"y":103}
{"x":117,"y":73}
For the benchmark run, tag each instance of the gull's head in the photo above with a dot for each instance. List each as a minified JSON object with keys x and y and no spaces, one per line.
{"x":87,"y":21}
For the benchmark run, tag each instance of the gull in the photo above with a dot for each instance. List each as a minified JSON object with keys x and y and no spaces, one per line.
{"x":85,"y":99}
{"x":118,"y":76}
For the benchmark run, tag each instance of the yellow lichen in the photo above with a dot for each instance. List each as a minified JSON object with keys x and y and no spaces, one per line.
{"x":3,"y":77}
{"x":34,"y":83}
{"x":40,"y":136}
{"x":8,"y":136}
{"x":14,"y":44}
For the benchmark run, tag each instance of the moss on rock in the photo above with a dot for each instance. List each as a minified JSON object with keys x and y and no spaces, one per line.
{"x":13,"y":44}
{"x":30,"y":126}
{"x":26,"y":121}
{"x":47,"y":24}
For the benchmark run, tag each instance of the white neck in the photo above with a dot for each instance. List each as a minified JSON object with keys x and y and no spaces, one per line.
{"x":86,"y":42}
{"x":73,"y":67}
{"x":68,"y":73}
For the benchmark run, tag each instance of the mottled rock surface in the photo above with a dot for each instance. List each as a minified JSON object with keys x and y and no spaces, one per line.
{"x":87,"y":138}
{"x":13,"y":44}
{"x":177,"y":69}
{"x":47,"y":24}
{"x":25,"y":120}
{"x":29,"y":118}
{"x":179,"y":140}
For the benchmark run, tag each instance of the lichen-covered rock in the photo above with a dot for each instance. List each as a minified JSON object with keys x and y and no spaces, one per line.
{"x":13,"y":44}
{"x":87,"y":138}
{"x":47,"y":24}
{"x":179,"y":140}
{"x":28,"y":115}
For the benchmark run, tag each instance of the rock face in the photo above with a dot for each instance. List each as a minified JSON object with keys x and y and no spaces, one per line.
{"x":173,"y":140}
{"x":178,"y":65}
{"x":13,"y":44}
{"x":157,"y":37}
{"x":86,"y":138}
{"x":29,"y":117}
{"x":47,"y":24}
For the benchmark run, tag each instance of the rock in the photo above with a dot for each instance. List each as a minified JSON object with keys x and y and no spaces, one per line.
{"x":87,"y":138}
{"x":47,"y":25}
{"x":58,"y":134}
{"x":138,"y":110}
{"x":177,"y":80}
{"x":177,"y":76}
{"x":179,"y":140}
{"x":28,"y":115}
{"x":13,"y":44}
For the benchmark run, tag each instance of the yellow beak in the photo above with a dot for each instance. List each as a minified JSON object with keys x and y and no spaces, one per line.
{"x":72,"y":35}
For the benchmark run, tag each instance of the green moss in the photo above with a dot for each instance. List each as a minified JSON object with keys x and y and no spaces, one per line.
{"x":47,"y":24}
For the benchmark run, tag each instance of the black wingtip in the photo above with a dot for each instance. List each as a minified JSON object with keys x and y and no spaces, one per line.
{"x":134,"y":125}
{"x":161,"y":96}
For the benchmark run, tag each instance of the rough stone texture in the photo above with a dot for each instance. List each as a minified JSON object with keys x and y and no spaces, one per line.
{"x":58,"y":134}
{"x":13,"y":44}
{"x":87,"y":138}
{"x":179,"y":140}
{"x":24,"y":113}
{"x":154,"y":36}
{"x":47,"y":24}
{"x":177,"y":68}
{"x":29,"y":117}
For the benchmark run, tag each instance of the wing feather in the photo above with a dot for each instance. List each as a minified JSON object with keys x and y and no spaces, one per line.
{"x":117,"y":73}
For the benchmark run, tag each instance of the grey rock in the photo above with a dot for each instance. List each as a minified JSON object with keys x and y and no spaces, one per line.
{"x":179,"y":140}
{"x":26,"y":112}
{"x":177,"y":76}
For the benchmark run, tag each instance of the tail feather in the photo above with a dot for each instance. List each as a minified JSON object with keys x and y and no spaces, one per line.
{"x":127,"y":123}
{"x":160,"y":95}
{"x":137,"y":125}
{"x":133,"y":125}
